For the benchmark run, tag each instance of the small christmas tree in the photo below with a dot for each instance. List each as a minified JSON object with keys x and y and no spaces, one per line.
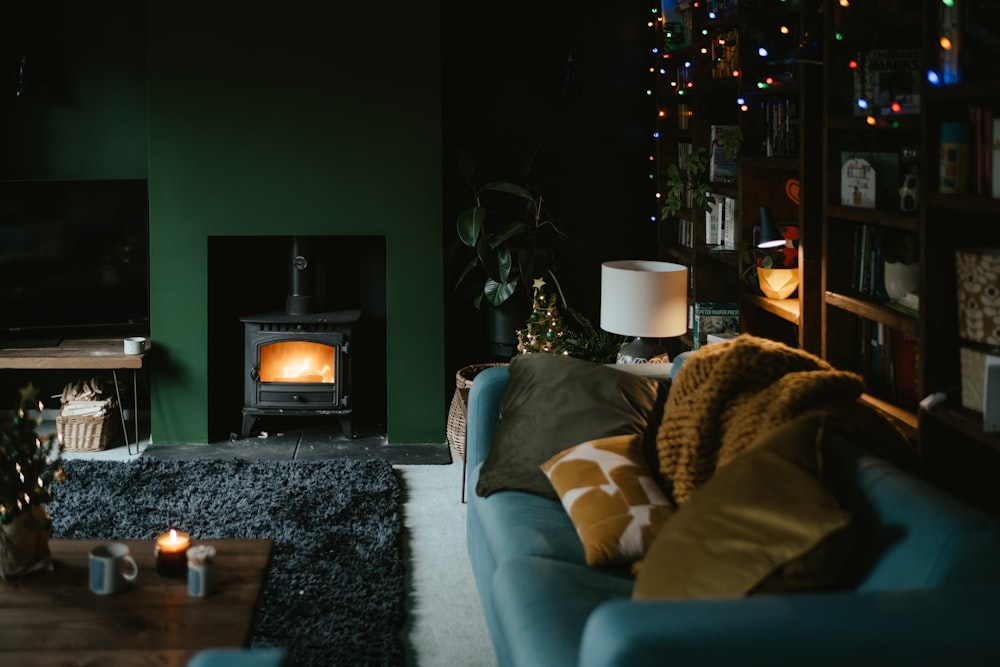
{"x":544,"y":330}
{"x":28,"y":463}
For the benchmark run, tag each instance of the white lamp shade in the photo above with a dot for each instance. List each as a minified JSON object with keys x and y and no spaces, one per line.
{"x":644,"y":298}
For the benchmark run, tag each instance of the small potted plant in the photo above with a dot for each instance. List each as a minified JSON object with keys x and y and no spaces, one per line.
{"x":691,"y":175}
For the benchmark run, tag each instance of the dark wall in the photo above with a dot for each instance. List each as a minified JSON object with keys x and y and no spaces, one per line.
{"x":505,"y":98}
{"x":304,"y":118}
{"x":82,"y":111}
{"x":301,"y":118}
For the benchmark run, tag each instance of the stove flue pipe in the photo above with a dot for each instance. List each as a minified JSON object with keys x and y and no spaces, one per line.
{"x":299,"y":301}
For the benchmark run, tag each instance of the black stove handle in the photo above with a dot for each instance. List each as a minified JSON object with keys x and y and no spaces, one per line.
{"x":255,"y":373}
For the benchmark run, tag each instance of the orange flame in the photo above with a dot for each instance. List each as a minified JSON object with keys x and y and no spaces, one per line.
{"x":297,"y":361}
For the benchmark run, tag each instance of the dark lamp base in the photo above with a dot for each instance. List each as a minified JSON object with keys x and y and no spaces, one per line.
{"x":641,"y":351}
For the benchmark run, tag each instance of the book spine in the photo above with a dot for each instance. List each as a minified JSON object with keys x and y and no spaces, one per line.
{"x":995,"y":167}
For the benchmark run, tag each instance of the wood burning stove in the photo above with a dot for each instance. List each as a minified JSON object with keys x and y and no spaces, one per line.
{"x":298,"y":363}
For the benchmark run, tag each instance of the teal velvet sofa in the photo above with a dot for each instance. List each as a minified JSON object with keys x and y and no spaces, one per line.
{"x":922,"y":586}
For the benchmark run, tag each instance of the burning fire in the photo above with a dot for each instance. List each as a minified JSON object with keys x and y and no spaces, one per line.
{"x":297,"y":361}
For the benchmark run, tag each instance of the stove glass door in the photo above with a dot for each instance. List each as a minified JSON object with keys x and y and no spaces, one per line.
{"x":298,"y":361}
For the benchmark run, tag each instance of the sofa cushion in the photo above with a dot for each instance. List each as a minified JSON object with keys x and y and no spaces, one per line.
{"x":544,"y":604}
{"x":611,"y":497}
{"x":508,"y":533}
{"x":553,"y":402}
{"x":763,"y":523}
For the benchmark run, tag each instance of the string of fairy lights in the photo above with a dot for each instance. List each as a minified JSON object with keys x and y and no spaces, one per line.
{"x":675,"y":62}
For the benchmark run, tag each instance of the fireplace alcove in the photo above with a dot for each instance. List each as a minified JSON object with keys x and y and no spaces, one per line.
{"x":248,"y":275}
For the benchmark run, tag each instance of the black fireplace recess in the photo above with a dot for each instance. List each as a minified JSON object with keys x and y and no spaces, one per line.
{"x":298,"y":363}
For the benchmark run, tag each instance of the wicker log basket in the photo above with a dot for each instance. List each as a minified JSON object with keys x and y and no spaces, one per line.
{"x":84,"y":418}
{"x":456,"y":412}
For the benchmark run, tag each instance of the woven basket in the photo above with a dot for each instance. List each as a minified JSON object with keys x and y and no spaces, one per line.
{"x":456,"y":412}
{"x":81,"y":433}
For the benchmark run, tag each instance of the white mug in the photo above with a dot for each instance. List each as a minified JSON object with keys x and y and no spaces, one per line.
{"x":135,"y":345}
{"x":111,"y":566}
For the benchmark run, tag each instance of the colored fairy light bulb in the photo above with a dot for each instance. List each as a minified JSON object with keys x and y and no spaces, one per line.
{"x":762,"y":52}
{"x":862,"y":103}
{"x":933,"y":78}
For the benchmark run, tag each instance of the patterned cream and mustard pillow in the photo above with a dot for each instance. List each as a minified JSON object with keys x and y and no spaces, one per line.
{"x":611,"y":497}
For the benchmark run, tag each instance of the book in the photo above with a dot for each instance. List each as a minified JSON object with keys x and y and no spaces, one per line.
{"x":981,"y":119}
{"x":722,"y":161}
{"x":676,"y":24}
{"x":996,"y":156}
{"x":714,"y":318}
{"x":885,"y":77}
{"x":725,"y":53}
{"x":979,"y":50}
{"x":951,"y":44}
{"x":870,"y":180}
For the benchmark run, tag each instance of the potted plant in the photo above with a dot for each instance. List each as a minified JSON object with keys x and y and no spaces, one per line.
{"x":510,"y":235}
{"x":691,"y":175}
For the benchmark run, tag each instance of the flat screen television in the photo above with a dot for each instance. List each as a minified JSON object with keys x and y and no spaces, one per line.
{"x":74,"y":260}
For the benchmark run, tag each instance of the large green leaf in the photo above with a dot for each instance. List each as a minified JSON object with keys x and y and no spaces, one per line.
{"x":496,"y":261}
{"x":496,"y":293}
{"x":470,"y":225}
{"x":511,"y":231}
{"x":511,"y":189}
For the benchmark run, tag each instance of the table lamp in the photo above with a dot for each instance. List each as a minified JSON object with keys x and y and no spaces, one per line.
{"x":645,"y":299}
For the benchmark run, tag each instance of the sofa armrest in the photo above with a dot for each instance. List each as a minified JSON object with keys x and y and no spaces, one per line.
{"x":919,"y":627}
{"x":483,"y":412}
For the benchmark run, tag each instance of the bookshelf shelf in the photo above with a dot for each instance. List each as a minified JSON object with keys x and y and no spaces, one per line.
{"x":968,"y":422}
{"x":905,"y":419}
{"x":786,"y":309}
{"x":903,"y":221}
{"x":872,"y":310}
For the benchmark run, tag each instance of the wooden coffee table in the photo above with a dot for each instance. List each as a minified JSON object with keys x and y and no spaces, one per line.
{"x":52,"y":618}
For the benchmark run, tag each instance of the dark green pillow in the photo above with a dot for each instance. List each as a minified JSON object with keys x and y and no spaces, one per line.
{"x":554,"y":402}
{"x":764,"y":523}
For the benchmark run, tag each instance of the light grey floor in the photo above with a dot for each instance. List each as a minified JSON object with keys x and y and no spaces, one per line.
{"x":446,"y":626}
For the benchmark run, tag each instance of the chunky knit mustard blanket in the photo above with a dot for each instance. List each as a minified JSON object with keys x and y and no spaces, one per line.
{"x":727,"y":394}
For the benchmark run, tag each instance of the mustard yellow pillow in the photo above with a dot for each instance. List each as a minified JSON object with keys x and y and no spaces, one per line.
{"x":611,"y":497}
{"x":764,"y":523}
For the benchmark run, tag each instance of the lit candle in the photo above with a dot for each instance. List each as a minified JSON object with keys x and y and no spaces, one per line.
{"x":171,"y":552}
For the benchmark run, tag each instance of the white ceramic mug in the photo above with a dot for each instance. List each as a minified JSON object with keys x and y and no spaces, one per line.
{"x":111,"y":566}
{"x":135,"y":345}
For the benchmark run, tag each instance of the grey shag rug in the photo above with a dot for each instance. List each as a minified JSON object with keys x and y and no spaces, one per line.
{"x":334,"y":593}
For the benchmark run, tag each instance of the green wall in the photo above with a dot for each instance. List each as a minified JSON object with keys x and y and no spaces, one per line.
{"x":311,"y":118}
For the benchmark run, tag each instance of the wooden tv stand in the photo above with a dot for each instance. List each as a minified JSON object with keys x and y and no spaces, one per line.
{"x":83,"y":353}
{"x":106,"y":353}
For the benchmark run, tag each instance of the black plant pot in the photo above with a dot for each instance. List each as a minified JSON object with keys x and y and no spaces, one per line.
{"x":503,"y":321}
